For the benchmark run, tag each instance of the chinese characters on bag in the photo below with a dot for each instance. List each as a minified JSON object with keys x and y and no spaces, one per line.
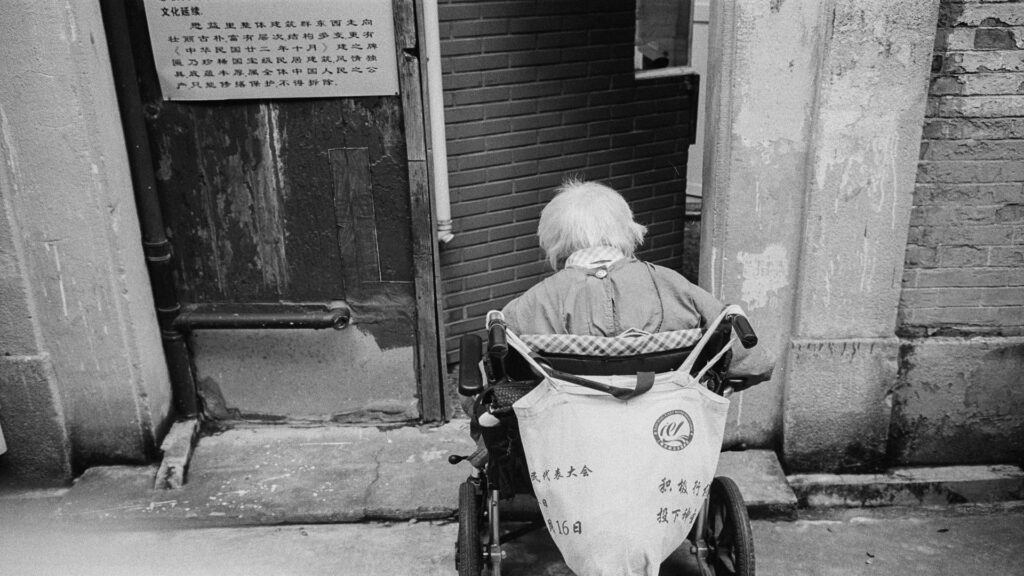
{"x":667,"y":515}
{"x":561,"y":527}
{"x":551,"y":475}
{"x":670,"y":485}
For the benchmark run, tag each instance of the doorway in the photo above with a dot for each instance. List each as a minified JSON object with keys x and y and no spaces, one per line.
{"x":303,"y":260}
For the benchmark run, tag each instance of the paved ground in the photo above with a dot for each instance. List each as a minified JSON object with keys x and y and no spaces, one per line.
{"x":368,"y":501}
{"x":893,"y":543}
{"x":951,"y":541}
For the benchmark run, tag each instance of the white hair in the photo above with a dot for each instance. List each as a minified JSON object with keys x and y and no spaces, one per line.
{"x":585,"y":215}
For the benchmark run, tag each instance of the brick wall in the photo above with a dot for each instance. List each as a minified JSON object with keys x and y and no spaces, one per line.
{"x":958,"y":398}
{"x":536,"y":91}
{"x":964,"y":269}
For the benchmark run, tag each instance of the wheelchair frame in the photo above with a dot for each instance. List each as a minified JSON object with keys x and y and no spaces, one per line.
{"x":720,"y":539}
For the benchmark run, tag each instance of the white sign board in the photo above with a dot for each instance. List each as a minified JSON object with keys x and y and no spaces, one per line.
{"x":228,"y":49}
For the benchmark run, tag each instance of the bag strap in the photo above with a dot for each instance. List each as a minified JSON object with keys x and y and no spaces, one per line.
{"x":692,"y":358}
{"x":644,"y":380}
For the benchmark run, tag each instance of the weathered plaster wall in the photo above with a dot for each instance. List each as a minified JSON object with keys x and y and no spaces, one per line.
{"x":31,"y":413}
{"x":811,"y":175}
{"x":762,"y":73}
{"x":83,"y":374}
{"x":871,"y":100}
{"x":960,"y":401}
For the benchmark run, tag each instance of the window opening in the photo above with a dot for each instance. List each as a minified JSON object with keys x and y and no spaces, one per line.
{"x":664,"y":30}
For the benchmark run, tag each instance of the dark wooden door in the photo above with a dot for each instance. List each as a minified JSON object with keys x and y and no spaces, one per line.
{"x":292,"y":202}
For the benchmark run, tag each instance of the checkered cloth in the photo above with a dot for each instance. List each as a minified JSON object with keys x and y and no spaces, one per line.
{"x":629,"y":343}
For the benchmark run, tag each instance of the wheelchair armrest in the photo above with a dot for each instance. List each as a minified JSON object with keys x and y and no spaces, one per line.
{"x":743,"y":330}
{"x":740,"y":382}
{"x":470,"y":351}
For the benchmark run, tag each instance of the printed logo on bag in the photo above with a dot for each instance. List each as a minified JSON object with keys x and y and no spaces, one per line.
{"x":673,"y":430}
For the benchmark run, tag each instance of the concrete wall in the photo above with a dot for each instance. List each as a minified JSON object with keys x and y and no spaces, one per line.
{"x":959,"y":397}
{"x":763,"y":61}
{"x":536,"y":91}
{"x":82,"y":374}
{"x":814,"y":129}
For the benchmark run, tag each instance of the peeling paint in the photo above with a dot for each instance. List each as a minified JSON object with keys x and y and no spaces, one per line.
{"x":10,"y":157}
{"x":763,"y":275}
{"x":757,"y":199}
{"x":60,"y":275}
{"x":70,"y":24}
{"x":268,"y":193}
{"x":209,"y":219}
{"x":867,"y":263}
{"x":778,"y":115}
{"x":165,"y":162}
{"x":829,"y":273}
{"x":714,"y":277}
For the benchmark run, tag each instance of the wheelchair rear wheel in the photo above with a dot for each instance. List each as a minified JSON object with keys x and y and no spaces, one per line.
{"x":727,"y":531}
{"x":468,"y":548}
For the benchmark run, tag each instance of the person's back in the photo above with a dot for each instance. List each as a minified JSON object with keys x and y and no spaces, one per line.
{"x":608,"y":300}
{"x":601,"y":288}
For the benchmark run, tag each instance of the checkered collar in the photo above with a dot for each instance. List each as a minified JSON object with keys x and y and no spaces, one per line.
{"x":594,"y":257}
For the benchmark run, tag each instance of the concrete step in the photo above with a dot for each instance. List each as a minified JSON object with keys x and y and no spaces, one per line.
{"x":286,"y":474}
{"x":762,"y":482}
{"x":911,"y":487}
{"x":329,"y":474}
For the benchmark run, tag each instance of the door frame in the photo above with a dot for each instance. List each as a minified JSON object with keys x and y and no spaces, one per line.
{"x":426,"y":261}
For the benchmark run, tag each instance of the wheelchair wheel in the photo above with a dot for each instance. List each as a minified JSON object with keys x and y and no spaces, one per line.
{"x":730,"y":542}
{"x":468,"y":548}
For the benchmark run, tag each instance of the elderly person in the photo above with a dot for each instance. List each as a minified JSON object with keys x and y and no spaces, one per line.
{"x":601,"y":289}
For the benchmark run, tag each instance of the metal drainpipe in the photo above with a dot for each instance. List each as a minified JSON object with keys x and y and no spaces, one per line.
{"x":336,"y":315}
{"x":435,"y":102}
{"x":157,"y":249}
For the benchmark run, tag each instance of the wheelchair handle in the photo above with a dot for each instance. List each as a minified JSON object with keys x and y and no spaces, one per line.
{"x":470,"y":380}
{"x":744,"y":331}
{"x":497,"y":345}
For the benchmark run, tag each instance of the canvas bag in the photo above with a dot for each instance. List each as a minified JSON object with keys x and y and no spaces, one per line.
{"x":620,"y":482}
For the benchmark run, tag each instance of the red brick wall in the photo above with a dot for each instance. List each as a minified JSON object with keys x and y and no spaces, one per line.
{"x":964,"y":269}
{"x":536,"y":91}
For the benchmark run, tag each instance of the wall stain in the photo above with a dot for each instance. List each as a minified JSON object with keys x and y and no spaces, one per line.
{"x":214,"y":406}
{"x":388,"y":315}
{"x":966,"y":415}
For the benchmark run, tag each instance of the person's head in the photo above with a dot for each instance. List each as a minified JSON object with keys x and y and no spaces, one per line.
{"x":585,"y":215}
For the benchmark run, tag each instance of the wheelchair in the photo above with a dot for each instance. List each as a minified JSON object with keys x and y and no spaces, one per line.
{"x":499,"y":494}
